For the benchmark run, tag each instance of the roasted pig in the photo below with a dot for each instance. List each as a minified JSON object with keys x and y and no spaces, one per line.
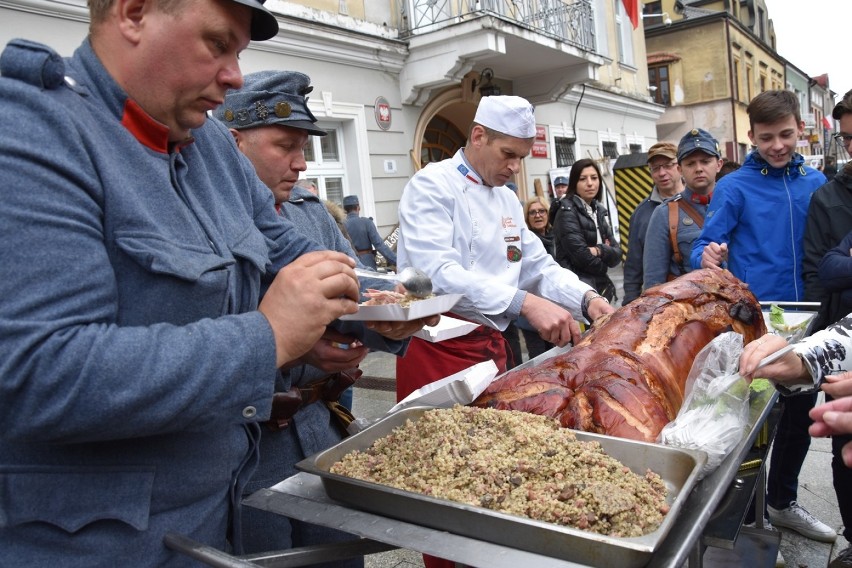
{"x":626,"y":377}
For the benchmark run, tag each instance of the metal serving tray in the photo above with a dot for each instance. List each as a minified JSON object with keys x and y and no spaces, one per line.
{"x":678,"y":468}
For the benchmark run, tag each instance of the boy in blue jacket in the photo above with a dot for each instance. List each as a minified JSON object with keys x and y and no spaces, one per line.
{"x":755,"y":227}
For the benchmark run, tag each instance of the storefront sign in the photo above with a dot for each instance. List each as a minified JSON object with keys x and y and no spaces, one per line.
{"x":383,"y":113}
{"x":539,"y":150}
{"x":540,"y":132}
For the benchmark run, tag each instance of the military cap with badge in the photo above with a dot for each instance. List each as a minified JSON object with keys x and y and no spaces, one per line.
{"x":698,"y":140}
{"x":268,"y":98}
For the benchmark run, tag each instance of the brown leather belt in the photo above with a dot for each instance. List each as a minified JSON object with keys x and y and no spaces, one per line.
{"x":285,"y":405}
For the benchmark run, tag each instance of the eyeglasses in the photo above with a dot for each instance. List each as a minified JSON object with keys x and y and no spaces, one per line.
{"x":844,"y":139}
{"x":537,"y":212}
{"x":669,"y":166}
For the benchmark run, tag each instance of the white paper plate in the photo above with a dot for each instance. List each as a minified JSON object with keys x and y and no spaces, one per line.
{"x":415,"y":310}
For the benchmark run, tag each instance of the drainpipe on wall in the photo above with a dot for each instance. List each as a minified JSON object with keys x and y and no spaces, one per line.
{"x":736,"y":146}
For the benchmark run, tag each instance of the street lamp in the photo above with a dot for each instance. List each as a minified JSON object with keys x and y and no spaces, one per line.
{"x":667,"y":21}
{"x":486,"y":87}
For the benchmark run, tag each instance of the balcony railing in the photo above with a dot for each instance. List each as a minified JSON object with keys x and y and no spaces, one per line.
{"x":569,"y":21}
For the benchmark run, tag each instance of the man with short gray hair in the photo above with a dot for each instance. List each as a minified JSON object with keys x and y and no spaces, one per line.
{"x":662,"y":163}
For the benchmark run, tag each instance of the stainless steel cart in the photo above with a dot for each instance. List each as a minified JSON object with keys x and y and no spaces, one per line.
{"x":712,"y":515}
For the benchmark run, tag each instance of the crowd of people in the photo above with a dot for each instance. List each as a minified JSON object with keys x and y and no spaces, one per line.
{"x":170,"y":312}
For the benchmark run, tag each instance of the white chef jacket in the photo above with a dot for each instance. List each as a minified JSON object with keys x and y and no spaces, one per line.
{"x":471,"y":239}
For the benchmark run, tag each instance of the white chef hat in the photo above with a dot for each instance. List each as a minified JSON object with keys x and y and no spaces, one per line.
{"x":513,"y":116}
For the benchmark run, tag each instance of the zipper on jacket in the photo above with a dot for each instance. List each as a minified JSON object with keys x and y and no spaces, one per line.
{"x":792,"y":236}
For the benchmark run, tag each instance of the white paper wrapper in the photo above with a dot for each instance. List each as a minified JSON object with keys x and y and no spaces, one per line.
{"x":461,"y":388}
{"x":447,"y":328}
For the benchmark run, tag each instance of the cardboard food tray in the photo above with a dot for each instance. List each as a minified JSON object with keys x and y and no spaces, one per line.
{"x":415,"y":310}
{"x":679,"y":469}
{"x":447,"y":328}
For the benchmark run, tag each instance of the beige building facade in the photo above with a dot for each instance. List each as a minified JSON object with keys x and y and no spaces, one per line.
{"x":715,"y":64}
{"x":397,"y":82}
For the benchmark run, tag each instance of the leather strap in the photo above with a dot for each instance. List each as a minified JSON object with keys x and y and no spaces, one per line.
{"x":673,"y":224}
{"x":673,"y":218}
{"x":285,"y":405}
{"x":690,"y":210}
{"x":366,"y":251}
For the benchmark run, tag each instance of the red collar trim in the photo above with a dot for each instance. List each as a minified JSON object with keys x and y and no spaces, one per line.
{"x":701,"y":199}
{"x":145,"y":129}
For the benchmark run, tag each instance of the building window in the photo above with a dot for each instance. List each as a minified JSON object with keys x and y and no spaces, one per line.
{"x":609,"y":149}
{"x":761,"y":30}
{"x":736,"y":79}
{"x":659,"y":77}
{"x":323,"y":155}
{"x":636,"y":148}
{"x":441,"y":140}
{"x":653,"y":8}
{"x":624,"y":33}
{"x":762,"y":82}
{"x":564,"y":151}
{"x":749,"y":82}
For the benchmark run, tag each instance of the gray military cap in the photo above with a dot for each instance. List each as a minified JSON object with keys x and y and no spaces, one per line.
{"x":267,"y":98}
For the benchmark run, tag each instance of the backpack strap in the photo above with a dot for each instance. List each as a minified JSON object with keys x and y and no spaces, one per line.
{"x":690,"y":210}
{"x":673,"y":217}
{"x":674,"y":204}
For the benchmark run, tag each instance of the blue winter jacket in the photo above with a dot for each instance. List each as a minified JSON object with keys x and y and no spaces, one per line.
{"x":133,"y":362}
{"x":760,"y":212}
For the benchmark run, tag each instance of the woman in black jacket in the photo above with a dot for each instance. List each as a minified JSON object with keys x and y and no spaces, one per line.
{"x":584,"y":242}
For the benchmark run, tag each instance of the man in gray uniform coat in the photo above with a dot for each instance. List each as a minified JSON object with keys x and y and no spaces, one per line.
{"x":365,"y":237}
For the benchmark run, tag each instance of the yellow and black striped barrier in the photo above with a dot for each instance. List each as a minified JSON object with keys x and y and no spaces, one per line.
{"x":633,"y":183}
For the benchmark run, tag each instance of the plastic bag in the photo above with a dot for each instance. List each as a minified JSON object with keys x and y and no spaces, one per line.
{"x":715,"y":410}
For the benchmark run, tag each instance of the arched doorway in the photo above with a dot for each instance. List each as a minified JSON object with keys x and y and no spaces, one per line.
{"x":444,"y":125}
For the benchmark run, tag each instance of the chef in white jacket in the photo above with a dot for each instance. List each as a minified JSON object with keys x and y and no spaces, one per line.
{"x":461,"y":225}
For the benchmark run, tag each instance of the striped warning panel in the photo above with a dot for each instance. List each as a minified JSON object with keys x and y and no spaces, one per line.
{"x":632,"y":185}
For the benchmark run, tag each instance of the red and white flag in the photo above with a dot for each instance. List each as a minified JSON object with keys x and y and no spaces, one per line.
{"x":631,"y":7}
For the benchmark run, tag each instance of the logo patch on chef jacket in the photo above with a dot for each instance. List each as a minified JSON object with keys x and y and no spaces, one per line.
{"x":512,"y":238}
{"x":513,"y":254}
{"x":508,"y":222}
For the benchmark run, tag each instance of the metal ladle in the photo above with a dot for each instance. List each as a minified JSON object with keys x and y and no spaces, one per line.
{"x":415,"y":281}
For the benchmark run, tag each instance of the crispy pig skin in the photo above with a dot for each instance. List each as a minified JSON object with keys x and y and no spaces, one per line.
{"x":626,"y":378}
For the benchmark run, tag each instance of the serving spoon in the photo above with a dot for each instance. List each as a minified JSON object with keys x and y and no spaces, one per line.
{"x":415,"y":281}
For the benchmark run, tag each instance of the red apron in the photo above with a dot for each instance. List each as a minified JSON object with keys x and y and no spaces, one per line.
{"x":426,"y":362}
